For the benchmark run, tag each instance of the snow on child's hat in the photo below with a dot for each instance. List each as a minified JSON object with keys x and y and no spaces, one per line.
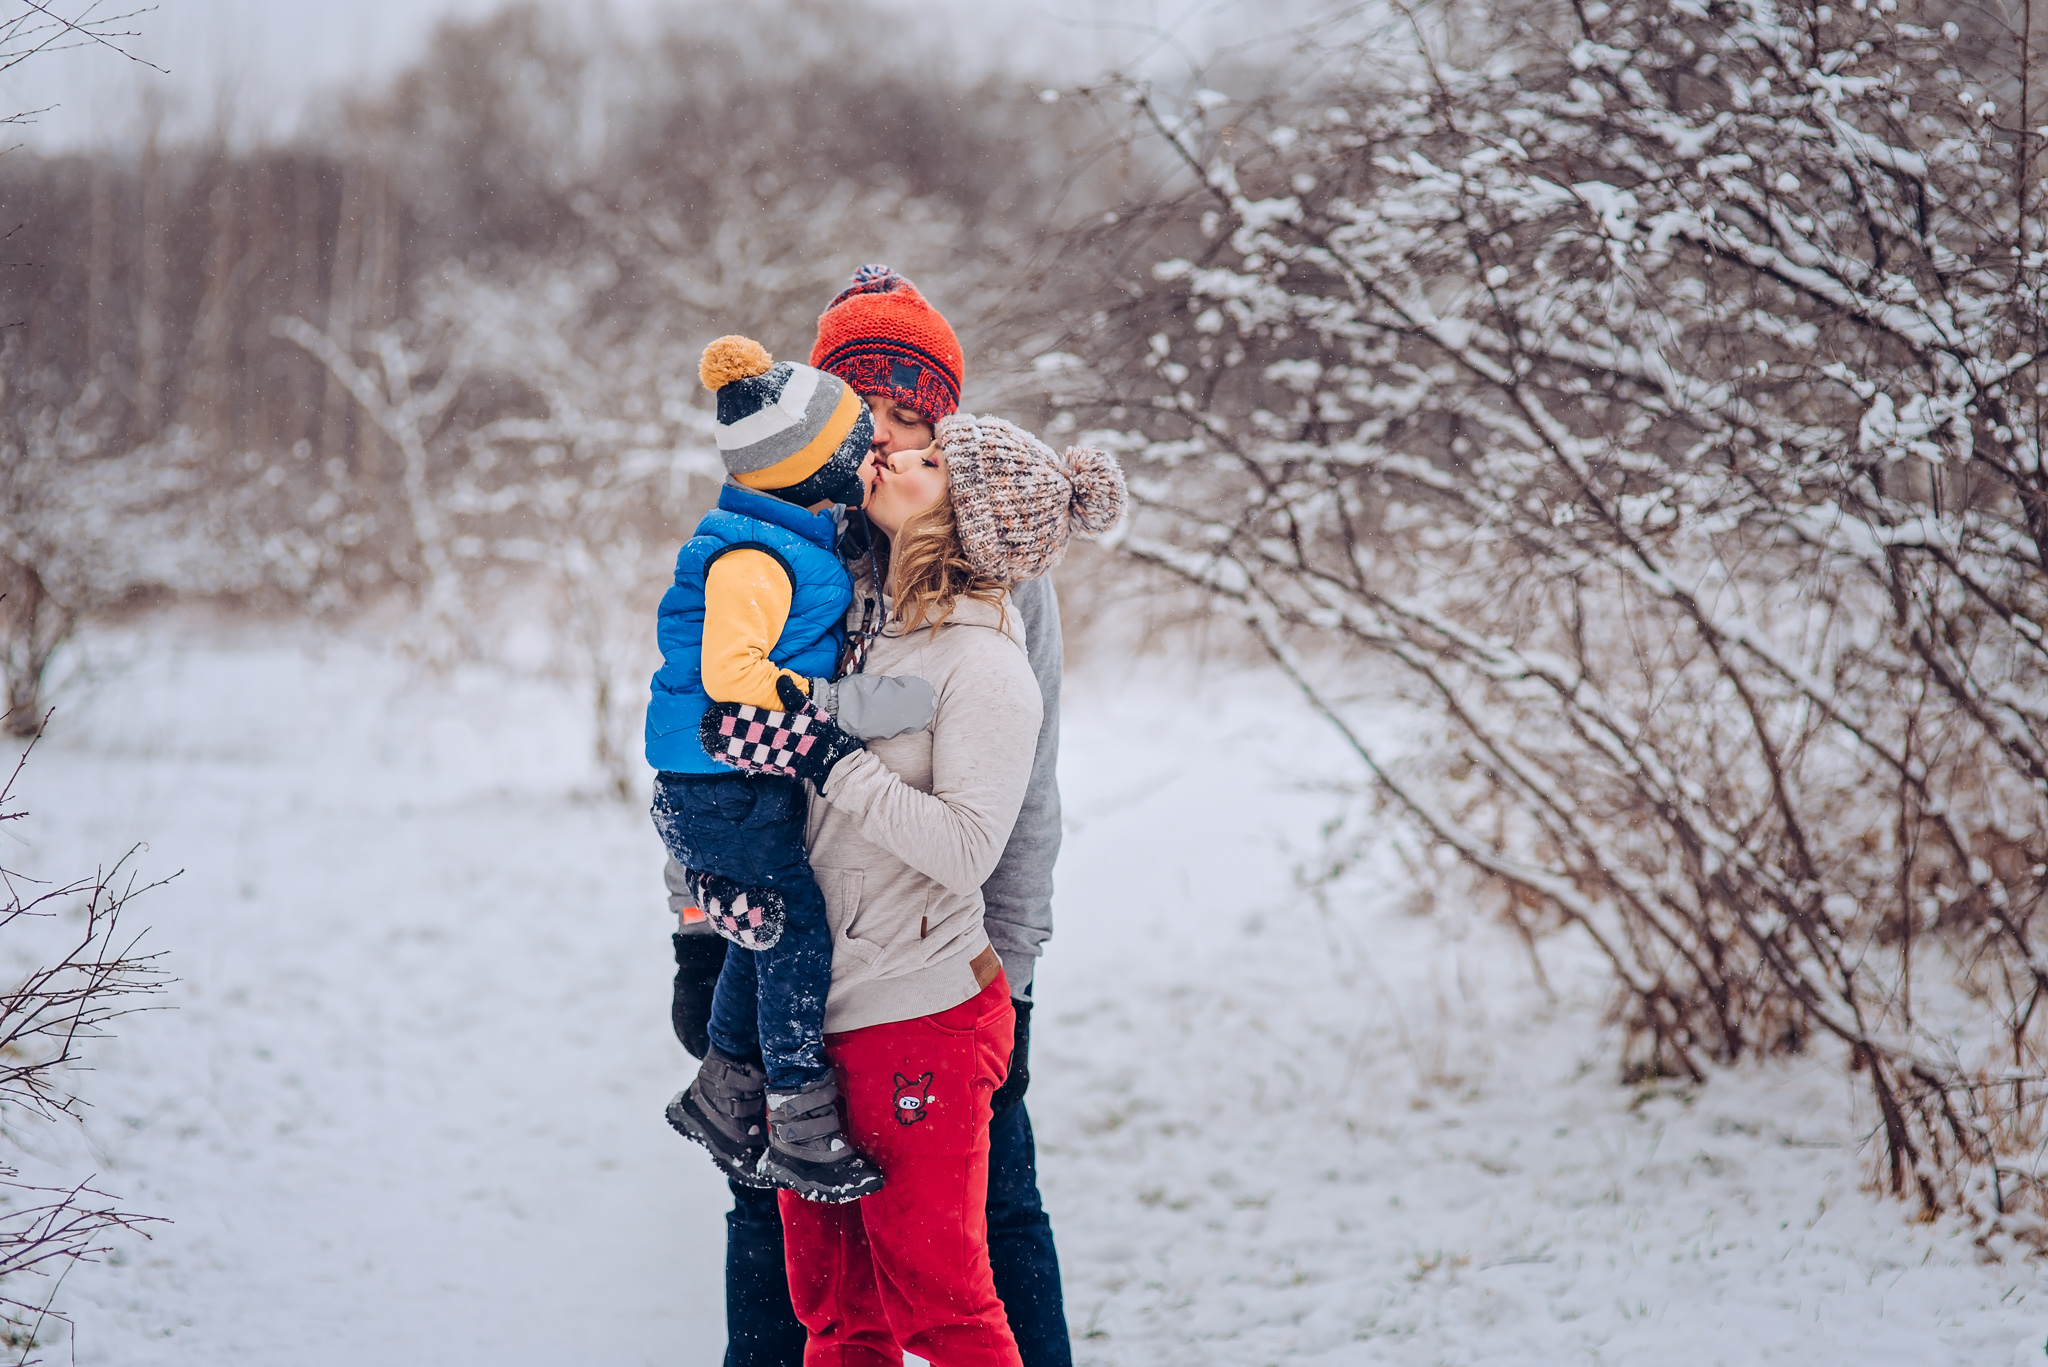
{"x":784,"y":429}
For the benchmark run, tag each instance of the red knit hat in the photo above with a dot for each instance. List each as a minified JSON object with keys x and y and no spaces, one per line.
{"x":881,"y":337}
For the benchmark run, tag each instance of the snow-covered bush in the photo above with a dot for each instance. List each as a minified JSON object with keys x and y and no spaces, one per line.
{"x":1652,"y":385}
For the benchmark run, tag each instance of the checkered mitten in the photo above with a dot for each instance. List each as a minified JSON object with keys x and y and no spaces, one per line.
{"x":751,"y":918}
{"x":801,"y":741}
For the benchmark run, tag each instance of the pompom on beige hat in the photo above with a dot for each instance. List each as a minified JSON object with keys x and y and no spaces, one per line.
{"x":1016,"y":503}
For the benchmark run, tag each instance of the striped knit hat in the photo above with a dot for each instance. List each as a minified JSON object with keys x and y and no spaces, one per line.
{"x":1016,"y":503}
{"x":784,"y":429}
{"x":880,"y":336}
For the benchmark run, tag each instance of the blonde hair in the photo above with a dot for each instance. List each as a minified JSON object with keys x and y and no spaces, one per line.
{"x":928,"y":569}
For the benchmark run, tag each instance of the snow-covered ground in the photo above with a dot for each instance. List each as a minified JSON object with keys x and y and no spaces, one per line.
{"x":407,"y":1110}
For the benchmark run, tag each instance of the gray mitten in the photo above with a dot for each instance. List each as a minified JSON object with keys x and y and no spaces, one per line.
{"x":877,"y":706}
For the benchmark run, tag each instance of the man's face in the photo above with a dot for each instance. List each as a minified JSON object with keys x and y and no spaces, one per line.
{"x":897,"y":428}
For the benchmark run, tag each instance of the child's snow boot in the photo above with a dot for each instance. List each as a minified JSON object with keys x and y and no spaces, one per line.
{"x":808,"y":1152}
{"x":723,"y":1110}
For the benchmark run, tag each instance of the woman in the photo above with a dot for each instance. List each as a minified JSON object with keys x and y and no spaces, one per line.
{"x":919,"y":1018}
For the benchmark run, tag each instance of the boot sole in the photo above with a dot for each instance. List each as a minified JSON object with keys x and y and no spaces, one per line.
{"x":684,"y":1119}
{"x":811,"y":1189}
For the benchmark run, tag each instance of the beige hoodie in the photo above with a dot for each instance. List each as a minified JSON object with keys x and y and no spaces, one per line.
{"x":911,"y":827}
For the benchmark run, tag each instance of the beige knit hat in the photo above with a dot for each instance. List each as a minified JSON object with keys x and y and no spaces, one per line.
{"x":1016,"y":503}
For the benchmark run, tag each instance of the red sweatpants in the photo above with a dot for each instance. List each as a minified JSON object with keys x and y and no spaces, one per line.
{"x":906,"y":1270}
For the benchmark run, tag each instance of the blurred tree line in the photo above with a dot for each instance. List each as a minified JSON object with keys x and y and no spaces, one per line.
{"x":445,"y":347}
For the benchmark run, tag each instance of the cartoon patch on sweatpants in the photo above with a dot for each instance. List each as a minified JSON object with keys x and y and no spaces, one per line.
{"x":911,"y":1098}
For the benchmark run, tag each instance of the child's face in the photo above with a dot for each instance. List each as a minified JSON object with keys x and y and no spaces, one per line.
{"x":902,"y":485}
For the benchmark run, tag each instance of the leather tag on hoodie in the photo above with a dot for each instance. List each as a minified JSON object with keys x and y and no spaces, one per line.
{"x":986,"y":966}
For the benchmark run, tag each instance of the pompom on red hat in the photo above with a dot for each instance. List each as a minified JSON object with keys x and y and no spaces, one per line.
{"x":881,"y":337}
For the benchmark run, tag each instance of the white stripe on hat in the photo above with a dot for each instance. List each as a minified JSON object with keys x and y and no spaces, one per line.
{"x":785,"y":413}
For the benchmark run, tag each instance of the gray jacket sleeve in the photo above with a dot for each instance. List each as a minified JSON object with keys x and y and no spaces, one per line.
{"x":677,"y":880}
{"x":1019,"y":892}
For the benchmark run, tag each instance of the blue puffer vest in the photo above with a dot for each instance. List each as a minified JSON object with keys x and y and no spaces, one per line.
{"x":810,"y":639}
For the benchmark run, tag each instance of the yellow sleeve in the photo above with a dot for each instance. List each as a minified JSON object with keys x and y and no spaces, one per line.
{"x":746,"y":603}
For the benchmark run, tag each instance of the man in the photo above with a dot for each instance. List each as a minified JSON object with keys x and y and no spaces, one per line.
{"x":897,"y":352}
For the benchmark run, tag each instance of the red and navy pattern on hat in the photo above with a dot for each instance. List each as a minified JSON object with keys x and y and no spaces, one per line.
{"x":764,"y":742}
{"x":897,"y":371}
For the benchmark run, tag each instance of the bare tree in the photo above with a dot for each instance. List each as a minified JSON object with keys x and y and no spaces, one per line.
{"x":80,"y":970}
{"x":406,"y":395}
{"x":30,"y":28}
{"x":84,"y":971}
{"x":1654,"y":387}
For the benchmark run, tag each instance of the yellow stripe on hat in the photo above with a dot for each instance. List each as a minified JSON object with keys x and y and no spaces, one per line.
{"x":794,"y":470}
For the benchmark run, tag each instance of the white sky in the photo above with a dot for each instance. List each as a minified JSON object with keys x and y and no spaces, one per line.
{"x":264,"y":61}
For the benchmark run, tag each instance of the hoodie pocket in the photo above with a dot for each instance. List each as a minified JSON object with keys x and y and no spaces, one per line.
{"x":844,"y":889}
{"x":939,"y":928}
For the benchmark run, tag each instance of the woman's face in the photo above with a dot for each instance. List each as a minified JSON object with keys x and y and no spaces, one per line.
{"x":902,"y":485}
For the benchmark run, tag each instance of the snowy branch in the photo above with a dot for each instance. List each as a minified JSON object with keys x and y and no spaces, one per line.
{"x":1662,"y":405}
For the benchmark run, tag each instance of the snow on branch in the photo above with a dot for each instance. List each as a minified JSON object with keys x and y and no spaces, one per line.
{"x":1660,"y":402}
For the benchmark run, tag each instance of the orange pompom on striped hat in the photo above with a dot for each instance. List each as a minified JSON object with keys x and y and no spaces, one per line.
{"x":784,"y":429}
{"x":880,"y":336}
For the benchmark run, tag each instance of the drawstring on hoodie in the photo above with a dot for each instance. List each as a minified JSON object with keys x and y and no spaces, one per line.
{"x":856,"y":661}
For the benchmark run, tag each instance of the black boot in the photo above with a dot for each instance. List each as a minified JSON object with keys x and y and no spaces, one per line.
{"x":724,"y":1111}
{"x":699,"y":956}
{"x":808,"y":1152}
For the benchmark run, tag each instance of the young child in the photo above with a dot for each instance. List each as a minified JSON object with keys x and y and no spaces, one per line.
{"x":757,"y":610}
